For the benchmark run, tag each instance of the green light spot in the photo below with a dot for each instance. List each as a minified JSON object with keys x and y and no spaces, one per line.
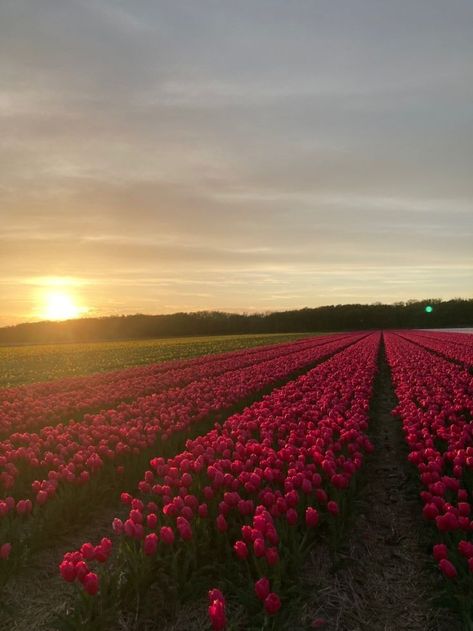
{"x":429,"y":309}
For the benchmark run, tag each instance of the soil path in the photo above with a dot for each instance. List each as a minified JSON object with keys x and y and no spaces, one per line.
{"x":384,"y":580}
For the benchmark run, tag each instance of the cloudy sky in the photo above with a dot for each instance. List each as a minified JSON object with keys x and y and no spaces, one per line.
{"x":244,"y":155}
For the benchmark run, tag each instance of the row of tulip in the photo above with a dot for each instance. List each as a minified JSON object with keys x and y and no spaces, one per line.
{"x":452,"y":336}
{"x":250,"y":496}
{"x":441,"y":343}
{"x":45,"y":362}
{"x":435,"y":404}
{"x":34,"y":467}
{"x":31,"y":407}
{"x":39,"y":389}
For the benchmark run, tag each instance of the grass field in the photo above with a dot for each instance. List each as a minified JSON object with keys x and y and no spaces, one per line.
{"x":27,"y":364}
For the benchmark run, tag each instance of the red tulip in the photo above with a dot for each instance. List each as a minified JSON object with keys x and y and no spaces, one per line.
{"x":126,"y":498}
{"x":262,"y":588}
{"x":430,"y":511}
{"x":87,"y":550}
{"x":447,"y":568}
{"x":241,"y":549}
{"x":5,"y":550}
{"x":440,"y":551}
{"x":81,"y":570}
{"x":184,"y":528}
{"x":272,"y":556}
{"x":311,"y":517}
{"x":152,"y":520}
{"x":166,"y":535}
{"x":217,"y":615}
{"x":333,"y":508}
{"x":466,"y":549}
{"x":150,"y":544}
{"x":272,"y":603}
{"x":259,"y":547}
{"x":215,"y":594}
{"x":222,"y":525}
{"x":68,"y":571}
{"x":41,"y":497}
{"x":91,"y":583}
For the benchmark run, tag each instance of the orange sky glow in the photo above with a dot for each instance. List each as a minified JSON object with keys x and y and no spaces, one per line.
{"x":161,"y":157}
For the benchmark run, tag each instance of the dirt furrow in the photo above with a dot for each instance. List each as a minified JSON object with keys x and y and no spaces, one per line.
{"x":382,"y":577}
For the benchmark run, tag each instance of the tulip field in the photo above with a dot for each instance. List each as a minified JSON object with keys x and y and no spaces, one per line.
{"x":41,"y":362}
{"x":222,"y":475}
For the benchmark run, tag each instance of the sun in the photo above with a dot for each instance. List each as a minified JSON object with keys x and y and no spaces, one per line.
{"x":60,"y":305}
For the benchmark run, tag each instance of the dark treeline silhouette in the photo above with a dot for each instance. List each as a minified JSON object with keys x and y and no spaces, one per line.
{"x":411,"y":314}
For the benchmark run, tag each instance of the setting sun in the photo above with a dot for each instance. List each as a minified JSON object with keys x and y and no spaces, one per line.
{"x":60,"y":305}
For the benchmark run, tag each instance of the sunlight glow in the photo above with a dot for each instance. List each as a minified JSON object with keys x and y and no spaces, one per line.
{"x":60,"y":305}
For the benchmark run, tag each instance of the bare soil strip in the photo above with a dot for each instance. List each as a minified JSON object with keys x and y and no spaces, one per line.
{"x":382,"y":578}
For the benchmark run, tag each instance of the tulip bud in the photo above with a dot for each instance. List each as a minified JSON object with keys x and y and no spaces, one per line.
{"x":150,"y":544}
{"x":166,"y":535}
{"x":272,"y":556}
{"x":152,"y":520}
{"x":87,"y":551}
{"x":5,"y":550}
{"x":430,"y":511}
{"x":259,"y":547}
{"x":82,"y":570}
{"x":466,"y":549}
{"x":440,"y":551}
{"x":215,"y":594}
{"x":333,"y":508}
{"x":68,"y":571}
{"x":291,"y":517}
{"x":241,"y":549}
{"x":126,"y":498}
{"x":262,"y":588}
{"x":222,"y":525}
{"x":447,"y":568}
{"x":272,"y":603}
{"x":311,"y":517}
{"x":42,"y":497}
{"x":217,"y":615}
{"x":91,"y":583}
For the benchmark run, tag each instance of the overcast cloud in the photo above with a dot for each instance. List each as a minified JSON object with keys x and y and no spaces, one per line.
{"x":240,"y":155}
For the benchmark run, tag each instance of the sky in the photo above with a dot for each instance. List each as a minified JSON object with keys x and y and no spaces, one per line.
{"x":242,"y":155}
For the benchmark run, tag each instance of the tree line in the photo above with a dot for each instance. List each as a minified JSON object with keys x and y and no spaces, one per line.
{"x":410,"y":314}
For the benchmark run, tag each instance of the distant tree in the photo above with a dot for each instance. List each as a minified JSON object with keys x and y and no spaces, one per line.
{"x":411,"y":314}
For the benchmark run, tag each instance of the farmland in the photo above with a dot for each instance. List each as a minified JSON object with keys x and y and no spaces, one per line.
{"x":264,"y":482}
{"x":29,"y":363}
